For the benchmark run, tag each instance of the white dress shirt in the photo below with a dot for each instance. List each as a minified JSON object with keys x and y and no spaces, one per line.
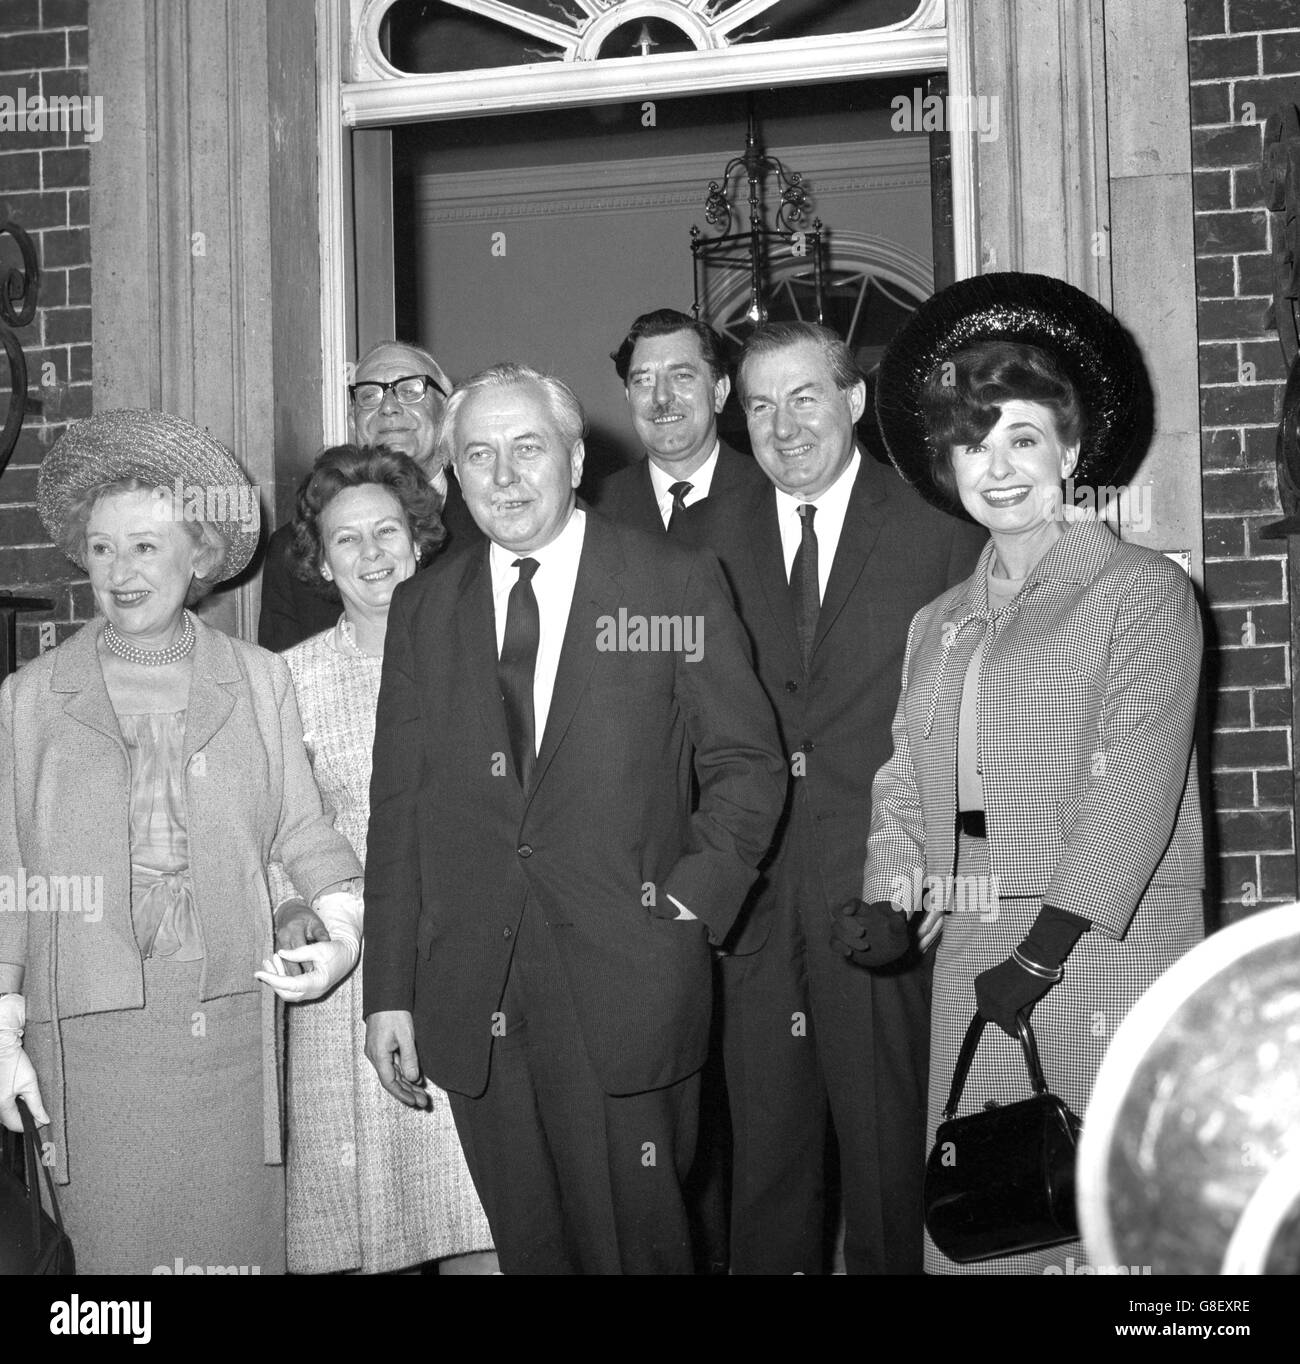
{"x":701,"y":481}
{"x":557,"y":572}
{"x":832,"y":505}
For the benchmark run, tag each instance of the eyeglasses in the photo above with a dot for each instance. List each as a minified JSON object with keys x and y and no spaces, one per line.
{"x":410,"y":389}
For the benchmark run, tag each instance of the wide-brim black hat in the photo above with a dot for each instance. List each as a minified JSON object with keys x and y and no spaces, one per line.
{"x":195,"y":477}
{"x":1085,"y":339}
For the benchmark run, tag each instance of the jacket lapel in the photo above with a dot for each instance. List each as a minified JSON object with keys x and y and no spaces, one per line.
{"x":475,"y":617}
{"x":596,"y":592}
{"x":77,"y":672}
{"x":212,"y":698}
{"x":863,"y":519}
{"x":724,"y":472}
{"x":769,"y":565}
{"x":647,"y":504}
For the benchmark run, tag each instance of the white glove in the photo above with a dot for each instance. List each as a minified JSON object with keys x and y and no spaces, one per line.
{"x":17,"y":1075}
{"x":326,"y":963}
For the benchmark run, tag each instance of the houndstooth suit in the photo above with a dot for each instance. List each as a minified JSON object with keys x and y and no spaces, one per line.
{"x":1087,"y":704}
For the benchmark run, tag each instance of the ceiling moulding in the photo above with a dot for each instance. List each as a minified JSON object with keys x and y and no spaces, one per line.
{"x":883,"y":165}
{"x":378,"y":94}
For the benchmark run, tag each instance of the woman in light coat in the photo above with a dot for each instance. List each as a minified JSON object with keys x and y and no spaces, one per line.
{"x":152,"y":768}
{"x":1041,"y":806}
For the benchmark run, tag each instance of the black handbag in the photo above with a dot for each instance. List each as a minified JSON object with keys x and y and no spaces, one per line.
{"x":1002,"y":1181}
{"x":31,"y":1240}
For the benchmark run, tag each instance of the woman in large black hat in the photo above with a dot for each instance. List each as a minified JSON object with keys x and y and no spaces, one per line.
{"x":1043,"y":737}
{"x":153,"y":768}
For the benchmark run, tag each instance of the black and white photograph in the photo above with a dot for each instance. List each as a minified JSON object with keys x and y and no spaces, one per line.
{"x":649,"y":637}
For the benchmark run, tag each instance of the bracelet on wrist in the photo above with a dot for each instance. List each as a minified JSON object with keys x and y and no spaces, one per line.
{"x":1034,"y":969}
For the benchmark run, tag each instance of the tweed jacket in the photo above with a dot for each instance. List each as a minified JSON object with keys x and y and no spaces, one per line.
{"x":64,"y":812}
{"x":1087,"y":705}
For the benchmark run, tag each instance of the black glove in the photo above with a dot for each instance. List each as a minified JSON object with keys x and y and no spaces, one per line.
{"x":870,"y":934}
{"x":1010,"y":988}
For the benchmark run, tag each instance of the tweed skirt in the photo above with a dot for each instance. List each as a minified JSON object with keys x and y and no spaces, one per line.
{"x":1073,"y":1023}
{"x":165,"y":1135}
{"x":373,"y":1186}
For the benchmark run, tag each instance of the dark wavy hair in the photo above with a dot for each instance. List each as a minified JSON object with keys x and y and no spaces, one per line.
{"x":352,"y":466}
{"x":962,"y":399}
{"x":668,"y":322}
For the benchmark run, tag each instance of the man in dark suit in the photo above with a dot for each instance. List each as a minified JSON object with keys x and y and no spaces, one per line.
{"x":828,"y":564}
{"x":675,"y":377}
{"x":382,"y":412}
{"x":540,"y":895}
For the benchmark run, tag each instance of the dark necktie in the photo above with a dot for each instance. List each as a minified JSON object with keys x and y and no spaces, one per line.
{"x":679,"y":491}
{"x":516,"y":667}
{"x":804,"y":593}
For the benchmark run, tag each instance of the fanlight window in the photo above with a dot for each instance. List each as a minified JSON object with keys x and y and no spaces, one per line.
{"x":426,"y":37}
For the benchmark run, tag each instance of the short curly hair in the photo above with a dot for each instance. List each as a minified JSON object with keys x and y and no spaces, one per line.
{"x":73,"y":540}
{"x":353,"y":466}
{"x":962,"y":399}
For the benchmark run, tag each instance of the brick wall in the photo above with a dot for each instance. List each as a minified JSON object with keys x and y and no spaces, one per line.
{"x":44,"y":187}
{"x":1244,"y":55}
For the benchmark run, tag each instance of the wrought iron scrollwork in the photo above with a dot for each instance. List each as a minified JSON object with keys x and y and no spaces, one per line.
{"x":750,"y":249}
{"x":19,"y":290}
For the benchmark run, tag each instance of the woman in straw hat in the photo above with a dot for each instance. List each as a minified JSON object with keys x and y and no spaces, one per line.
{"x":1043,"y":737}
{"x":367,"y":518}
{"x":154,"y":767}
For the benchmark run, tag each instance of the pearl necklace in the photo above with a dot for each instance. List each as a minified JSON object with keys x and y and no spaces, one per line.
{"x":348,"y":636}
{"x":150,"y":658}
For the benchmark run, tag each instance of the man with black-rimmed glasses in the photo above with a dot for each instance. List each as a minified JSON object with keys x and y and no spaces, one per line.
{"x":395,"y":399}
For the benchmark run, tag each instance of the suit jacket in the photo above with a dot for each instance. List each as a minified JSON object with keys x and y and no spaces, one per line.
{"x":1087,"y":709}
{"x":455,"y":844}
{"x":293,"y":610}
{"x":895,"y":553}
{"x":628,"y":495}
{"x":64,"y":809}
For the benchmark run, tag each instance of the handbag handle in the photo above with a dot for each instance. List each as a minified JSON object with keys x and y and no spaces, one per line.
{"x":1028,"y":1046}
{"x":33,"y":1162}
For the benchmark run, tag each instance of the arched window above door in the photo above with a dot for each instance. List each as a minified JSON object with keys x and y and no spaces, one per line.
{"x":397,"y":38}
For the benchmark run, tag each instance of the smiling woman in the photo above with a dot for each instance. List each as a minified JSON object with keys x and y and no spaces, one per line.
{"x":164,"y":760}
{"x":1044,"y":733}
{"x":367,"y":519}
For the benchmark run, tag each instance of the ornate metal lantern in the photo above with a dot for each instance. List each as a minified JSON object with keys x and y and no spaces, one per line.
{"x":751,"y":249}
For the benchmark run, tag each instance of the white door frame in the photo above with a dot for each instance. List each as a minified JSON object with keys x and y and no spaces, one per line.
{"x":937,"y":37}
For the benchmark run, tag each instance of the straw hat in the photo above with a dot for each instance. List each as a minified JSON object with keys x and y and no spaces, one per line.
{"x":187,"y":465}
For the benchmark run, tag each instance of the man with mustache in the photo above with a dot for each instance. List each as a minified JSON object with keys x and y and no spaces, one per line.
{"x":541,"y":890}
{"x":396,"y":399}
{"x":675,"y":379}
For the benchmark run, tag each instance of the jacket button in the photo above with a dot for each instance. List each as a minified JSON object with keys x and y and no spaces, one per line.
{"x":807,"y":746}
{"x":507,"y":933}
{"x":792,"y":686}
{"x":525,"y":850}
